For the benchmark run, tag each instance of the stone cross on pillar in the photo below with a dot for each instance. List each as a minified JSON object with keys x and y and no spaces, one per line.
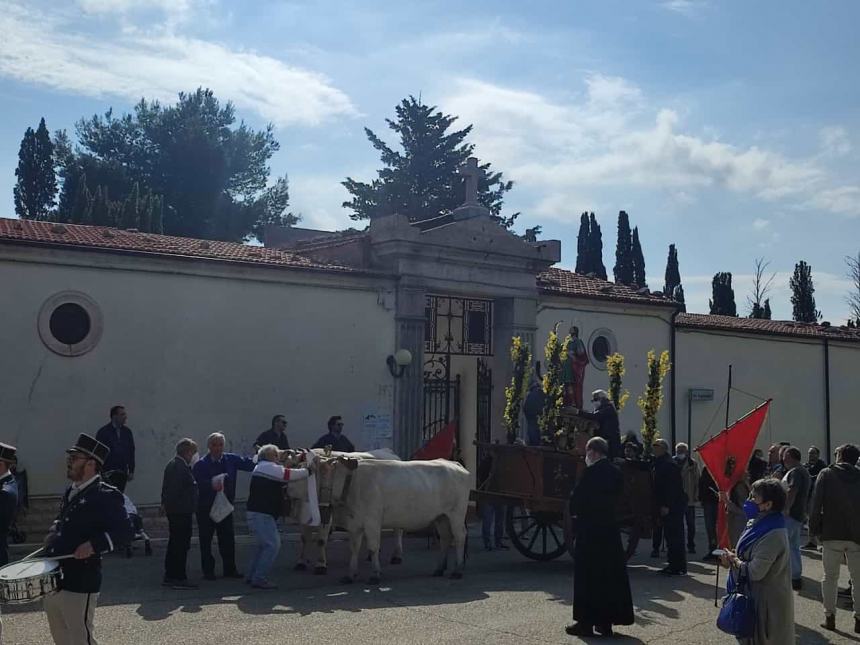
{"x":472,"y":174}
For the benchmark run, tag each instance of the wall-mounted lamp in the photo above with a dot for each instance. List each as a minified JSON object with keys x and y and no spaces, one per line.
{"x":398,"y":362}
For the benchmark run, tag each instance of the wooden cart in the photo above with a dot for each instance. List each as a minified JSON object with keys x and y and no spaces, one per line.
{"x":534,"y":484}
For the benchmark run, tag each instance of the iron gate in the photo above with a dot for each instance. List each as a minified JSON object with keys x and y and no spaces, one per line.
{"x":441,"y":397}
{"x":484,"y":406}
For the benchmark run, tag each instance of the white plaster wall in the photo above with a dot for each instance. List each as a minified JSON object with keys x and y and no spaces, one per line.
{"x":844,"y":394}
{"x":187,"y":355}
{"x":637,"y":329}
{"x":789,"y":370}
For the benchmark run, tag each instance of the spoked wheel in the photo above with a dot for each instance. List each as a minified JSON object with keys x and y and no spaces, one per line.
{"x":537,"y":535}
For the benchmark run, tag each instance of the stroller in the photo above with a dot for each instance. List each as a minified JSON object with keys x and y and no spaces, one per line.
{"x":136,"y":521}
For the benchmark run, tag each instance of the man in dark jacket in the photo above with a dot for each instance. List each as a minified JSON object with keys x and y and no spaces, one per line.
{"x":92,"y":521}
{"x":179,"y":502}
{"x":834,"y":519}
{"x":8,"y":498}
{"x":532,"y":408}
{"x":120,"y":441}
{"x":709,"y":497}
{"x":601,"y":588}
{"x":671,"y":503}
{"x":275,"y":436}
{"x":335,"y":437}
{"x":607,"y":420}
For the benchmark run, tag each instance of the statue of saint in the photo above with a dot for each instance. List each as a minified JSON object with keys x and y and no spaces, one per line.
{"x":573,"y":370}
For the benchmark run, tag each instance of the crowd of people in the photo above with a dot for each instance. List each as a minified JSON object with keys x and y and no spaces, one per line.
{"x":93,"y":519}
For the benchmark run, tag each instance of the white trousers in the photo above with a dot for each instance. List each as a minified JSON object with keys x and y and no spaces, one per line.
{"x":70,"y":617}
{"x":834,"y":553}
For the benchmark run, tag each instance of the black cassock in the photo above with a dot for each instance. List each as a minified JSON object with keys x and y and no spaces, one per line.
{"x":601,"y":588}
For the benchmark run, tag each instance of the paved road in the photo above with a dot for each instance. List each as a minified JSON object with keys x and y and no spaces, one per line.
{"x":504,"y":599}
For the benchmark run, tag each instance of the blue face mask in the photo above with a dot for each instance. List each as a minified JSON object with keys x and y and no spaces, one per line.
{"x":751,"y":509}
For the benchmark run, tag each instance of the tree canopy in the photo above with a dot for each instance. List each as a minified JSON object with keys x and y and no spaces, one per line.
{"x":672,"y":278}
{"x":36,"y":184}
{"x":722,"y":301}
{"x":623,"y":270}
{"x":421,"y":180}
{"x":802,"y":298}
{"x":190,"y":165}
{"x":589,"y":247}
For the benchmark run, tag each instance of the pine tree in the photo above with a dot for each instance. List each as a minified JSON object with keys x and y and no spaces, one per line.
{"x":623,"y":270}
{"x":638,"y":262}
{"x":765,"y":314}
{"x":802,"y":298}
{"x":130,"y":214}
{"x":672,"y":279}
{"x":104,"y":211}
{"x":422,"y":181}
{"x":82,"y":207}
{"x":596,"y":249}
{"x":582,"y":245}
{"x":723,"y":296}
{"x":36,"y":185}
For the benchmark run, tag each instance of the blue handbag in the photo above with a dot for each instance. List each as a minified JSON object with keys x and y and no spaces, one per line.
{"x":737,"y":615}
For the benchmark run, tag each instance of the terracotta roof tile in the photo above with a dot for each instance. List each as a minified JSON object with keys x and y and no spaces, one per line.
{"x":119,"y":240}
{"x":568,"y":283}
{"x":771,"y":327}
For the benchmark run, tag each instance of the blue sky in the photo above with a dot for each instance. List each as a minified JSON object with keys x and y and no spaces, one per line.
{"x":727,"y":128}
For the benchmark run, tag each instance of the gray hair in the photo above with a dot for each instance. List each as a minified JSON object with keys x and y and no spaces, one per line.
{"x":598,"y":444}
{"x":662,"y":443}
{"x":682,"y":445}
{"x":269,"y":452}
{"x":215,"y":436}
{"x":600,"y":394}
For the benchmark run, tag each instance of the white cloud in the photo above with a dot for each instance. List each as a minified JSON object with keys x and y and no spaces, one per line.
{"x":611,"y":137}
{"x":760,"y":224}
{"x":318,"y":199}
{"x":45,"y":51}
{"x":686,"y":7}
{"x":835,"y":141}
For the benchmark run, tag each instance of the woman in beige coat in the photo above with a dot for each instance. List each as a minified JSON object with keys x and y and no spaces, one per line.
{"x":763,"y":560}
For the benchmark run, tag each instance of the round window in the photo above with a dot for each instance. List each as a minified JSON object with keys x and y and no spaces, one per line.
{"x":70,"y":323}
{"x":602,"y":344}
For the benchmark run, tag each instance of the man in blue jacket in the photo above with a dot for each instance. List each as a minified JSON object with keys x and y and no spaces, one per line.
{"x":92,"y":521}
{"x":217,"y":462}
{"x":120,"y":443}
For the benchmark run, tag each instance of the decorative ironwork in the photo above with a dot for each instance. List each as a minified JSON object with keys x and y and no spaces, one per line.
{"x":484,"y":407}
{"x":441,"y":396}
{"x":438,"y":366}
{"x":460,"y":326}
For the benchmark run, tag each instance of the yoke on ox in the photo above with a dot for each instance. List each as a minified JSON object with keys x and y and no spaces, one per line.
{"x":372,"y":495}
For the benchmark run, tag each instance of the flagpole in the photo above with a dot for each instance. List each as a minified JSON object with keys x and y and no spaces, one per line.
{"x":728,"y":396}
{"x":737,"y":421}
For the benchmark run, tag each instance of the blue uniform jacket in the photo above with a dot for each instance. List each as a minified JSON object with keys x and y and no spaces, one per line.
{"x":206,"y":469}
{"x":96,"y":515}
{"x":8,"y":503}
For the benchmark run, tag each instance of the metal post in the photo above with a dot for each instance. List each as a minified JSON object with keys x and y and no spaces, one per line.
{"x":729,"y":396}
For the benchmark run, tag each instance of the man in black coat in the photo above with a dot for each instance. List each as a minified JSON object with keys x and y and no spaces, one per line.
{"x":607,"y":420}
{"x":92,"y":521}
{"x":601,"y":588}
{"x":8,"y":498}
{"x":671,"y":502}
{"x":120,"y":443}
{"x":276,"y":435}
{"x":179,"y":502}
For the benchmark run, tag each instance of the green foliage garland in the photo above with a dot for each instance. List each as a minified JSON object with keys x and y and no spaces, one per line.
{"x":652,"y":399}
{"x":555,"y":354}
{"x":515,"y":393}
{"x":615,"y":368}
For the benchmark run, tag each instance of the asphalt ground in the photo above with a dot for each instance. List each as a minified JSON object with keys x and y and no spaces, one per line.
{"x":504,"y":598}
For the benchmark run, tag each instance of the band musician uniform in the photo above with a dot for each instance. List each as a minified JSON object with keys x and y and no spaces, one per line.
{"x":8,"y":498}
{"x":92,"y":521}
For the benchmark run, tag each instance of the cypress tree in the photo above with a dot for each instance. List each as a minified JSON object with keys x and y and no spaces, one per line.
{"x":82,"y":207}
{"x":672,"y":278}
{"x":596,"y":249}
{"x":766,"y":310}
{"x":36,"y":183}
{"x":130,"y":214}
{"x":583,"y":240}
{"x":638,"y":262}
{"x":623,"y":270}
{"x":802,"y":298}
{"x":678,"y":296}
{"x":103,"y":211}
{"x":723,"y":296}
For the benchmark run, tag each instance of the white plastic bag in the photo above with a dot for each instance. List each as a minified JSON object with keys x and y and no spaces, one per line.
{"x":221,"y":507}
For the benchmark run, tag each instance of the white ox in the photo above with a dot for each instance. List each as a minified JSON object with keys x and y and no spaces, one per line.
{"x":407,"y":495}
{"x":320,"y":535}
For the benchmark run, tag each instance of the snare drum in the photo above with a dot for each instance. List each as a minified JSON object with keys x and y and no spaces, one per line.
{"x":28,"y":581}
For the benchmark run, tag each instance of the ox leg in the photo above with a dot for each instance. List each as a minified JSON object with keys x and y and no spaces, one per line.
{"x":444,"y":529}
{"x":458,"y":529}
{"x":306,"y":537}
{"x":397,"y":556}
{"x":354,"y":549}
{"x":321,"y":567}
{"x":373,"y":536}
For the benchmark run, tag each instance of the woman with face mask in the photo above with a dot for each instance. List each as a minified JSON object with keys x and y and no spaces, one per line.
{"x":761,"y":560}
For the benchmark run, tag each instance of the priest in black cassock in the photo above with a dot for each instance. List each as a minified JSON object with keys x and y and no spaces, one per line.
{"x":601,"y":589}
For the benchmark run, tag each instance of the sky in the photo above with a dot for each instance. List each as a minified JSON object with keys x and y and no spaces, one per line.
{"x":730,"y":129}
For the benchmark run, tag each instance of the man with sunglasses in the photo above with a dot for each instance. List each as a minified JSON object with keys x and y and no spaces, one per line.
{"x":92,"y":521}
{"x":335,"y":437}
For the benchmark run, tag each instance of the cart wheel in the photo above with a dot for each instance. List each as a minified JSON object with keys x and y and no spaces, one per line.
{"x":538,"y":535}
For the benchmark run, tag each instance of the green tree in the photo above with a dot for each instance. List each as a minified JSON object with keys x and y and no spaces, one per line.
{"x":596,"y":248}
{"x":36,"y":182}
{"x":722,"y":301}
{"x":766,"y":314}
{"x":623,"y":270}
{"x":212,"y":174}
{"x":421,"y":181}
{"x":638,"y":261}
{"x":130,"y":213}
{"x":802,"y":298}
{"x":82,"y":209}
{"x":583,"y":240}
{"x":672,"y":281}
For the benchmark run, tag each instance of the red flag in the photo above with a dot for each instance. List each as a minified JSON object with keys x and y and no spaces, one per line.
{"x":441,"y":446}
{"x":727,"y":456}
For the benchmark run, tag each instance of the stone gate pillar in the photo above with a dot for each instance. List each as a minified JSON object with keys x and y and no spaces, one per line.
{"x":409,"y":389}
